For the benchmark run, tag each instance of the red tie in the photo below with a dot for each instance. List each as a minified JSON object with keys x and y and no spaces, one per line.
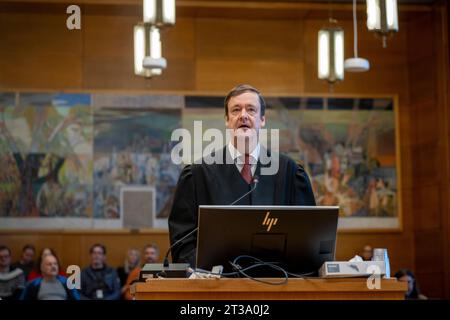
{"x":246,"y":171}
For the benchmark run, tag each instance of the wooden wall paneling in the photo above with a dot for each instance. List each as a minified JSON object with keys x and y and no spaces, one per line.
{"x":429,"y":245}
{"x":267,"y":54}
{"x":446,"y":220}
{"x":407,"y":211}
{"x":108,"y":55}
{"x":407,"y":166}
{"x":278,"y":55}
{"x":399,"y":247}
{"x":427,"y":207}
{"x":426,"y":126}
{"x":426,"y":163}
{"x":429,"y":262}
{"x":424,"y":84}
{"x":388,"y":73}
{"x":71,"y":252}
{"x":108,"y":52}
{"x":442,"y":81}
{"x":38,"y":51}
{"x":73,"y":247}
{"x":428,"y":98}
{"x":431,"y":284}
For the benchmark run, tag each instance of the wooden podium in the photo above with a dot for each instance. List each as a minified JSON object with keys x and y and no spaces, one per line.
{"x":246,"y":289}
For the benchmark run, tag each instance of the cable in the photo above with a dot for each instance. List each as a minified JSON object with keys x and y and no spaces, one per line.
{"x":355,"y":31}
{"x":242,"y":271}
{"x":166,"y":257}
{"x":260,"y":263}
{"x":234,"y":273}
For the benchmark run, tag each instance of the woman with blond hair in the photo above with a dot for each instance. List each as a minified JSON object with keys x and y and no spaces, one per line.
{"x":132,"y":260}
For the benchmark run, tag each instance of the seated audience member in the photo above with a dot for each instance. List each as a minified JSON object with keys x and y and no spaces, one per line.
{"x":51,"y":285}
{"x":99,"y":281}
{"x":132,"y":261}
{"x":367,"y":253}
{"x":151,"y":255}
{"x":413,"y":288}
{"x":26,"y":262}
{"x":36,"y":272}
{"x":12,"y":280}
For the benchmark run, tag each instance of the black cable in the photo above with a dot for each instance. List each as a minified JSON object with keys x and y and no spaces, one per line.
{"x":255,"y":181}
{"x":161,"y":274}
{"x":166,"y":257}
{"x":260,"y":263}
{"x":300,"y":275}
{"x":227,"y":274}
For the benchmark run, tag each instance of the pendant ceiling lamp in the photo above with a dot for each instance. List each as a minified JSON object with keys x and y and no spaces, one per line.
{"x":382,"y":18}
{"x":148,"y":59}
{"x":356,"y":64}
{"x":331,"y":52}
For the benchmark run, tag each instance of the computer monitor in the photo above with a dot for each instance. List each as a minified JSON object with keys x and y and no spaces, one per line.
{"x":297,"y":238}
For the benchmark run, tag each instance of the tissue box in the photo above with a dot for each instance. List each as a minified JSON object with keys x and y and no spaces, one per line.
{"x":342,"y":269}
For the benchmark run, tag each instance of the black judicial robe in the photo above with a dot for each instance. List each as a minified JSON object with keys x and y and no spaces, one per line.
{"x":221,"y":184}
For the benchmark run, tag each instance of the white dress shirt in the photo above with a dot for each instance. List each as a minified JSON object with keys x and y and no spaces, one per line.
{"x":239,"y":159}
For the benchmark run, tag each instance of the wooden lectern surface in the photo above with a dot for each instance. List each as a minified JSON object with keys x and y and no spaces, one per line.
{"x":246,"y":289}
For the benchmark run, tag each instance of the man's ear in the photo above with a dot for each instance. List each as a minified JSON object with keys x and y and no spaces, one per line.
{"x":263,"y":121}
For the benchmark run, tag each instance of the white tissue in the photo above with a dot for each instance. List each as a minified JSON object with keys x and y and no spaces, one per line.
{"x":356,"y":259}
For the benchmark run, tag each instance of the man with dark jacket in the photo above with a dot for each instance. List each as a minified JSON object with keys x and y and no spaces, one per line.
{"x":26,"y":262}
{"x":12,"y":280}
{"x":223,"y":182}
{"x":98,"y":281}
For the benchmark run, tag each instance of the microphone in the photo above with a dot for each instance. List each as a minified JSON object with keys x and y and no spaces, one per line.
{"x":255,"y":181}
{"x":166,"y":258}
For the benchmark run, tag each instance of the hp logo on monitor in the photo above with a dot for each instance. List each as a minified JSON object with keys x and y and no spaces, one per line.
{"x":268,"y":221}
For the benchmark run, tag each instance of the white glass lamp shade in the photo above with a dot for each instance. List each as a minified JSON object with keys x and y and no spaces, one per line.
{"x":382,"y":16}
{"x":148,"y":61}
{"x":159,"y":13}
{"x":331,"y":54}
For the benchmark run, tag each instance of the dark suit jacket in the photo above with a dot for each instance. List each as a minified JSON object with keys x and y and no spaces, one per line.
{"x":222,"y":184}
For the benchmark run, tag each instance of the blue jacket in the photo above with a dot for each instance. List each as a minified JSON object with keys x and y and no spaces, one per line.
{"x":32,"y":289}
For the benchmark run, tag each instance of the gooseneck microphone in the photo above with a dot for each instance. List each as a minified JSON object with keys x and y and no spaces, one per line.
{"x":166,"y":257}
{"x":255,"y":181}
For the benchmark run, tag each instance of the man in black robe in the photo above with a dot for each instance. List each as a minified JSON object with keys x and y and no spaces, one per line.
{"x":223,"y":182}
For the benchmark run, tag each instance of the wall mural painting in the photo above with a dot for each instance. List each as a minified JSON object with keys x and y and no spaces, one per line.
{"x":46,"y":156}
{"x":132,"y":147}
{"x":347,"y":145}
{"x":65,"y":157}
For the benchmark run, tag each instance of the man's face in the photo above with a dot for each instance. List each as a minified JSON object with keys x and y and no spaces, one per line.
{"x":28,"y":256}
{"x":244,"y":118}
{"x":5,"y":259}
{"x":49,"y":266}
{"x":98,"y":258}
{"x":367,"y":253}
{"x":151,"y":255}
